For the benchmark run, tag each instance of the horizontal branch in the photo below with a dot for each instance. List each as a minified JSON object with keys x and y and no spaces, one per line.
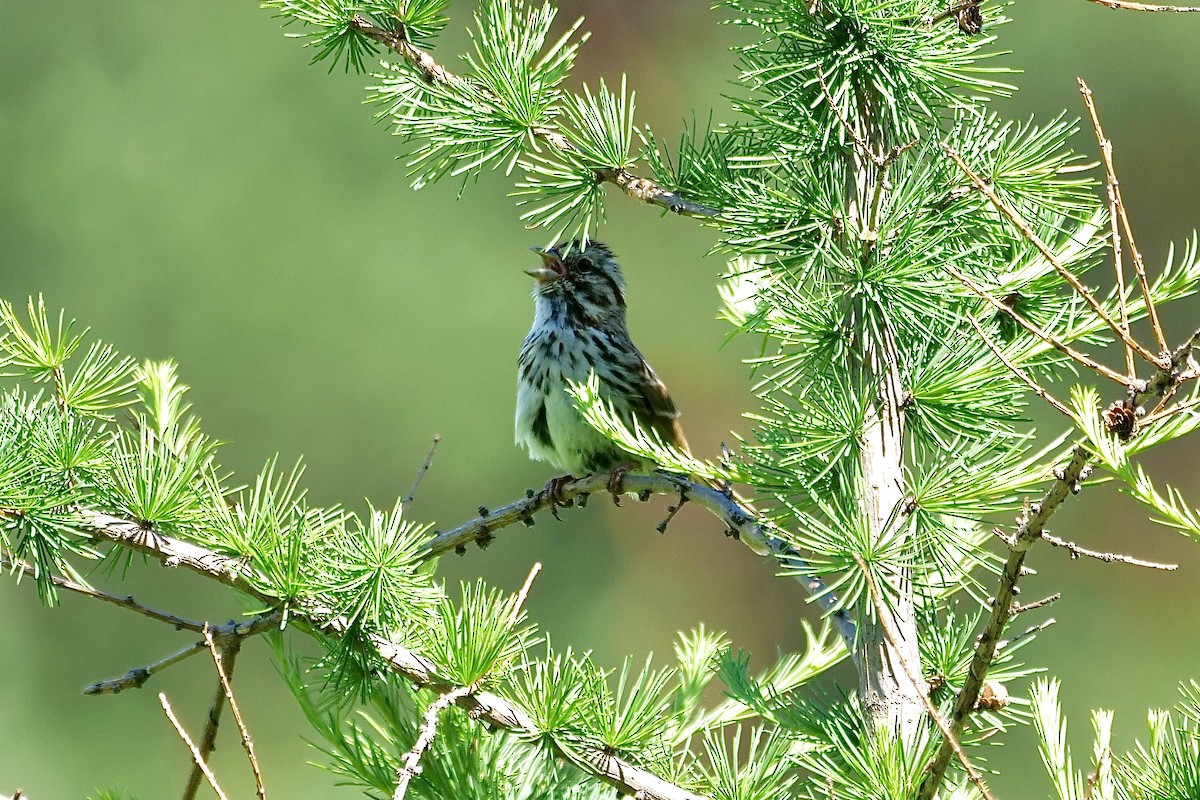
{"x":644,"y":189}
{"x":743,"y":525}
{"x":1128,"y":5}
{"x":123,"y":601}
{"x":491,"y":708}
{"x":223,"y":635}
{"x":1076,"y":551}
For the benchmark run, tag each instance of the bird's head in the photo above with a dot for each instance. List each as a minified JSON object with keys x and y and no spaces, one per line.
{"x":583,"y":275}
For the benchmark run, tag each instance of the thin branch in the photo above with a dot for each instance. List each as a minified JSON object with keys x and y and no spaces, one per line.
{"x":1117,"y":208}
{"x":196,"y":757}
{"x":744,"y":526}
{"x":1026,"y":231}
{"x":523,"y":594}
{"x":1169,"y":377}
{"x":1128,"y":5}
{"x":412,"y":492}
{"x":486,"y":706}
{"x":123,"y":601}
{"x":1114,"y":215}
{"x":1031,"y":527}
{"x":1025,"y":634}
{"x":218,"y":657}
{"x":672,"y":511}
{"x":136,"y":677}
{"x":1033,"y":522}
{"x":223,"y":634}
{"x":1020,"y":608}
{"x":1022,"y":374}
{"x":914,"y":675}
{"x":208,"y":742}
{"x":411,"y":763}
{"x":1065,"y":349}
{"x":1109,"y":558}
{"x":636,"y":187}
{"x":1166,"y":412}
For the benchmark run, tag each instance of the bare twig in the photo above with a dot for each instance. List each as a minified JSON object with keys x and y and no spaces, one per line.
{"x":914,"y":674}
{"x":672,"y":511}
{"x":196,"y":757}
{"x":523,"y":594}
{"x":1065,"y":349}
{"x":431,"y":71}
{"x":208,"y":742}
{"x":411,"y":763}
{"x":408,"y":498}
{"x":755,"y":534}
{"x":1020,"y":373}
{"x":136,"y":677}
{"x":1025,"y":634}
{"x":1128,"y":5}
{"x":1019,"y":222}
{"x":1117,"y":208}
{"x":1183,"y":405}
{"x":223,"y":634}
{"x":219,"y":660}
{"x":123,"y":601}
{"x":1020,"y":608}
{"x":1109,"y":558}
{"x":486,"y":706}
{"x":1033,"y":522}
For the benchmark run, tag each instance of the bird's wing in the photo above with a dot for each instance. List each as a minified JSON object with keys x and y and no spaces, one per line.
{"x":653,"y":405}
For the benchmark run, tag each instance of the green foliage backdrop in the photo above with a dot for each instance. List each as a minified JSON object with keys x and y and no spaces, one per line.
{"x":177,"y":177}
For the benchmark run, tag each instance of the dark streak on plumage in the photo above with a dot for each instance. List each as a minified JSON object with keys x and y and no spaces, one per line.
{"x":541,"y":428}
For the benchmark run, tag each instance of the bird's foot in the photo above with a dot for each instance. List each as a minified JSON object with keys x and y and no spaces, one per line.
{"x":553,"y":493}
{"x":616,"y":481}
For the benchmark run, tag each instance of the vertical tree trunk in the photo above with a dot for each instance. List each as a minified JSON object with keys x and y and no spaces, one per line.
{"x":891,"y":698}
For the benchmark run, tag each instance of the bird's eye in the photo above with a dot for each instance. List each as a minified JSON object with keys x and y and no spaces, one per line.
{"x":583,"y":264}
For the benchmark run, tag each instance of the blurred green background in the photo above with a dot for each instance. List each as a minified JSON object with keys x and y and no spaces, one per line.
{"x":176,"y":176}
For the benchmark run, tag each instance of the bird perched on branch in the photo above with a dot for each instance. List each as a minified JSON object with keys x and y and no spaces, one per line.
{"x":578,"y":327}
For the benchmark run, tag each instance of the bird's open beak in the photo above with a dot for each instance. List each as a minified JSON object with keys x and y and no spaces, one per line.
{"x":552,"y":267}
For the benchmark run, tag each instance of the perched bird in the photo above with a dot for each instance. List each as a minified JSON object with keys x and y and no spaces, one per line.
{"x":579,"y":326}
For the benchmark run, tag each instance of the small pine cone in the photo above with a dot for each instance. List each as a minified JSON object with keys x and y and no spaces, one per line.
{"x":1121,"y":419}
{"x":969,"y":19}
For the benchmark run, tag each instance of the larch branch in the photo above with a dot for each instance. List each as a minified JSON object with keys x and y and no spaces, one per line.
{"x":1117,"y":209}
{"x":1077,"y":551}
{"x":486,"y":706}
{"x":122,"y":601}
{"x":187,"y":740}
{"x":219,"y":664}
{"x":208,"y":742}
{"x":1019,"y":222}
{"x":431,"y":71}
{"x":1030,"y":530}
{"x":223,"y":634}
{"x":745,"y":526}
{"x":1066,"y":349}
